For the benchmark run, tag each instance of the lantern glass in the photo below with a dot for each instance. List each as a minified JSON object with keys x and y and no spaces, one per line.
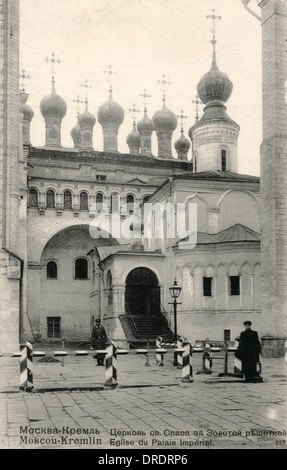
{"x":175,"y":290}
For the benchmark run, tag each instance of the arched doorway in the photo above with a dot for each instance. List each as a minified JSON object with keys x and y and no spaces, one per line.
{"x":142,"y":292}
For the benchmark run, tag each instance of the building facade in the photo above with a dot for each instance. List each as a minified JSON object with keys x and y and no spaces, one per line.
{"x":89,"y":234}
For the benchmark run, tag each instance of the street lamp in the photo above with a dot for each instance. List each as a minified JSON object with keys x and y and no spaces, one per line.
{"x":175,"y":291}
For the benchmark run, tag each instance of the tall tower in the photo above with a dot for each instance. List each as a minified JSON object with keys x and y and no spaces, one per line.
{"x":274,"y":176}
{"x":53,"y":109}
{"x":86,"y":123}
{"x":215,"y":135}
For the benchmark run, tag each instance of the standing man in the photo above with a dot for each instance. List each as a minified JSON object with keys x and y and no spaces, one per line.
{"x":248,"y":352}
{"x":99,"y":339}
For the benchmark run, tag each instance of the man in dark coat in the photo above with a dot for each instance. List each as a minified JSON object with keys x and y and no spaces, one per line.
{"x":99,"y":339}
{"x":248,"y":352}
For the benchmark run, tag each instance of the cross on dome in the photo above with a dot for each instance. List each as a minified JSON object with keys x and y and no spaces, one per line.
{"x":110,"y":73}
{"x":197,"y":102}
{"x":23,"y":76}
{"x":53,"y":61}
{"x":145,"y":95}
{"x":78,"y":102}
{"x":163,"y":83}
{"x":86,"y":86}
{"x":213,"y":17}
{"x":181,"y":116}
{"x":133,"y":112}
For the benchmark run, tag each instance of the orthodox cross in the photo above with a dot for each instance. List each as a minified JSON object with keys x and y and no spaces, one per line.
{"x":78,"y":102}
{"x":163,"y":83}
{"x":23,"y":77}
{"x":110,"y":72}
{"x":145,"y":95}
{"x":181,"y":116}
{"x":197,"y":102}
{"x":53,"y":61}
{"x":214,"y":18}
{"x":133,"y":112}
{"x":86,"y":86}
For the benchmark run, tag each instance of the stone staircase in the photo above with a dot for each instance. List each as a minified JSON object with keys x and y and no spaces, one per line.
{"x":141,"y":329}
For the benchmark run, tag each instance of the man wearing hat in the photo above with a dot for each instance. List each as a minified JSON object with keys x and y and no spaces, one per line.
{"x":99,"y":339}
{"x":248,"y":352}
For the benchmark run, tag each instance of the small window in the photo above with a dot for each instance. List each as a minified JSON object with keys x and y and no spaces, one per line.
{"x":101,"y":177}
{"x":234,"y":285}
{"x":99,"y":198}
{"x":52,"y":270}
{"x":223,"y":160}
{"x":50,"y":199}
{"x":84,"y":204}
{"x":195,"y":162}
{"x":130,"y":203}
{"x":207,"y":286}
{"x":68,"y":200}
{"x":115,"y":202}
{"x":54,"y":327}
{"x":33,"y":198}
{"x":227,"y":335}
{"x":81,"y":268}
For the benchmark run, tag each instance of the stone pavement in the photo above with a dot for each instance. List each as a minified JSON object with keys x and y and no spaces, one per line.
{"x":150,"y":408}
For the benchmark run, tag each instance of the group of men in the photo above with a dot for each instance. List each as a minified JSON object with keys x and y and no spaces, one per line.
{"x":248,"y":351}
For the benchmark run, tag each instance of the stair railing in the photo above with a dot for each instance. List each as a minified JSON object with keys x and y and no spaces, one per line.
{"x":131,"y":321}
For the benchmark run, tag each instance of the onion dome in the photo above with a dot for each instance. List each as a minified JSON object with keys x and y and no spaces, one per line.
{"x":76,"y":135}
{"x":133,"y":139}
{"x":214,"y":85}
{"x":164,"y":119}
{"x":111,"y":112}
{"x":86,"y":119}
{"x":182,"y":145}
{"x":54,"y":105}
{"x":145,"y":125}
{"x":27,"y":110}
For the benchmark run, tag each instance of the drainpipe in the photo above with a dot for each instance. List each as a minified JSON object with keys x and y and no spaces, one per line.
{"x":20,"y":289}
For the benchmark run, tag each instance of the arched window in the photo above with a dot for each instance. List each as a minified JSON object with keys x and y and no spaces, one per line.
{"x":52,"y":270}
{"x":223,"y":160}
{"x":130,"y":203}
{"x":115,"y":202}
{"x":33,"y":198}
{"x":84,"y":205}
{"x":99,"y":198}
{"x":81,"y":268}
{"x":50,"y":199}
{"x":68,"y":200}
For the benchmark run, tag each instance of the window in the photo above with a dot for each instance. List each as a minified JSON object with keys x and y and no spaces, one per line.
{"x":50,"y":199}
{"x":207,"y":286}
{"x":84,"y":205}
{"x":227,"y":335}
{"x":33,"y":198}
{"x":54,"y":327}
{"x":99,"y":198}
{"x":234,"y":285}
{"x":223,"y":159}
{"x":195,"y":162}
{"x":68,"y":200}
{"x":81,"y":268}
{"x":52,"y":270}
{"x":130,"y":203}
{"x":101,"y":177}
{"x":115,"y":202}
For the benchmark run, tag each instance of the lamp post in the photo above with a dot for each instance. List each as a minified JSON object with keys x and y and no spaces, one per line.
{"x":175,"y":291}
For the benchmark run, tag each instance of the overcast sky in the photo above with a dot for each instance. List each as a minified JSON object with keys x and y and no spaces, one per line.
{"x":142,"y":40}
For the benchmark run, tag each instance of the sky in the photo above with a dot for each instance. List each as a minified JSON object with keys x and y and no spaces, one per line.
{"x":142,"y":40}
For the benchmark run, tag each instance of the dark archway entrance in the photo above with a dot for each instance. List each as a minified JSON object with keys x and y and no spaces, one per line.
{"x":142,"y":292}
